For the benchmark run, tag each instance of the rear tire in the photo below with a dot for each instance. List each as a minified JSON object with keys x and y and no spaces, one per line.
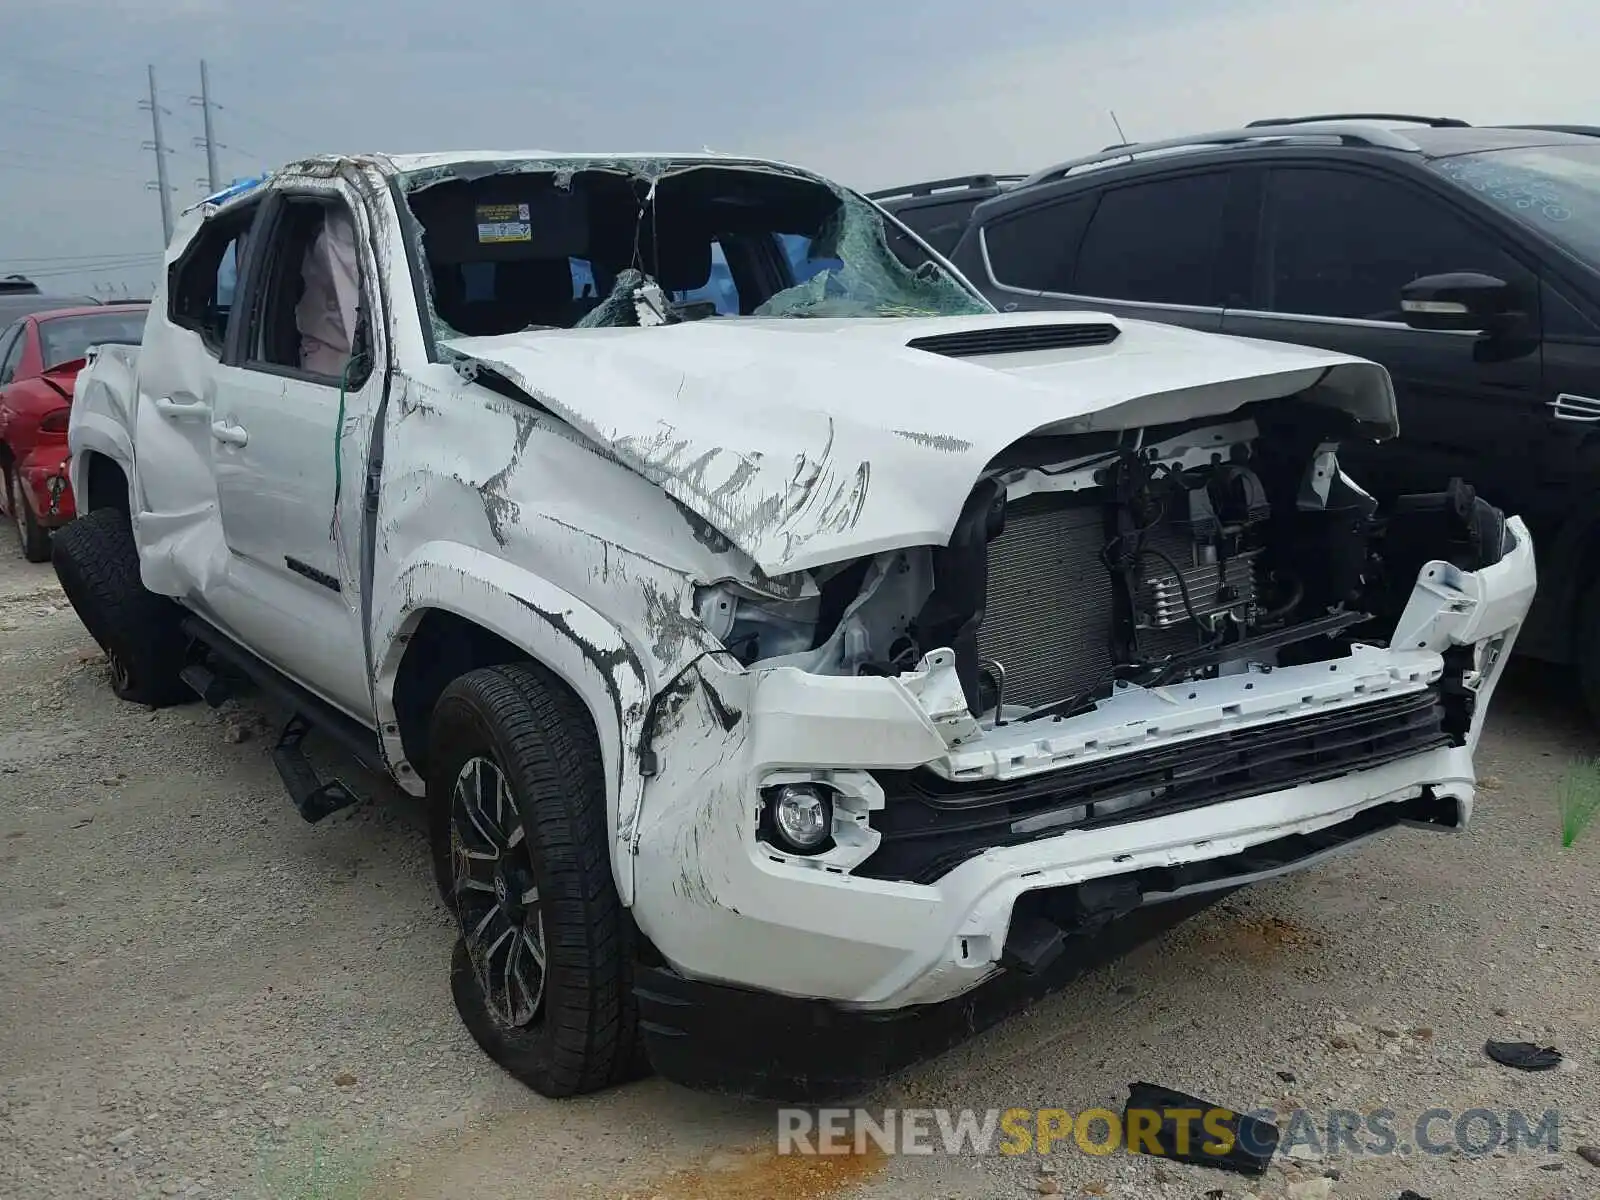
{"x":35,"y":538}
{"x":542,"y":971}
{"x":98,"y":565}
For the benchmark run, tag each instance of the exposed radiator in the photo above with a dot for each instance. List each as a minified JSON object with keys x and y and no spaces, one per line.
{"x":1047,"y":619}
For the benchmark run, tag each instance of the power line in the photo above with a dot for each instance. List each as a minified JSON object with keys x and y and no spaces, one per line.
{"x":295,"y":139}
{"x":62,"y":119}
{"x":54,"y":68}
{"x":131,"y":263}
{"x":238,"y":114}
{"x":68,"y":165}
{"x":49,"y":259}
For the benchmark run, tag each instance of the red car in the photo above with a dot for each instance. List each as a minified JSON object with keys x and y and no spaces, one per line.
{"x":39,"y":360}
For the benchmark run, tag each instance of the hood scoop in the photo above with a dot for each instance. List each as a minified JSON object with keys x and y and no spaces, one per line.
{"x":1017,"y":339}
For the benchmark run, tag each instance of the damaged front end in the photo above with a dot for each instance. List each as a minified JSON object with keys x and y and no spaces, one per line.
{"x":1012,"y":624}
{"x":1137,"y":673}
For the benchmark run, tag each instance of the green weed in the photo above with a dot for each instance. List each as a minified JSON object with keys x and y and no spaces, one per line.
{"x":1580,"y":798}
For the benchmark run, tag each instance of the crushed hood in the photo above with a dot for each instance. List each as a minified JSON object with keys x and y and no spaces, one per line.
{"x":808,"y":442}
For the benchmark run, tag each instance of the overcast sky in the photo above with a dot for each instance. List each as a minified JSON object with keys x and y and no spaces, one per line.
{"x":874,"y":94}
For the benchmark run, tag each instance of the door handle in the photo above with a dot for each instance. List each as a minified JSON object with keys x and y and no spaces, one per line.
{"x":229,"y":434}
{"x":1568,"y":407}
{"x":168,"y":407}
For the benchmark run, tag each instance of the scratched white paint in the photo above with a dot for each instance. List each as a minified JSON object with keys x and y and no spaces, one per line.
{"x":811,"y":442}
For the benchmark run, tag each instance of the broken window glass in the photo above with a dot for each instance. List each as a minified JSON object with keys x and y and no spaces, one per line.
{"x":556,"y":245}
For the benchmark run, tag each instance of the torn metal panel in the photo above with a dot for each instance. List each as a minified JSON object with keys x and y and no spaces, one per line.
{"x":848,"y":442}
{"x":487,"y":506}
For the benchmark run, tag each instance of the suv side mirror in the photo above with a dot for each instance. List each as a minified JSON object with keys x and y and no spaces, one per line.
{"x":1463,"y":301}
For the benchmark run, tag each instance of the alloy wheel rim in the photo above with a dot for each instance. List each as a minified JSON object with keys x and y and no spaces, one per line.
{"x":497,"y":901}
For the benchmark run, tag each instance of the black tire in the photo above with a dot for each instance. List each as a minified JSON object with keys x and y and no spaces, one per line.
{"x":98,"y":566}
{"x":35,"y":538}
{"x":579,"y":1033}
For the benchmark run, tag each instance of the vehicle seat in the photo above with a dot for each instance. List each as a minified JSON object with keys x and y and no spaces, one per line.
{"x":526,"y":292}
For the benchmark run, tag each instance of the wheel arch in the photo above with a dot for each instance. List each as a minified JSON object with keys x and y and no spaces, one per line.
{"x":453,"y":609}
{"x":100,"y":471}
{"x":1569,"y":566}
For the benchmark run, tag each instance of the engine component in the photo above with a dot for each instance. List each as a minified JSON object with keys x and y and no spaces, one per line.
{"x":1148,"y":567}
{"x":1048,"y":616}
{"x":1198,"y":568}
{"x":1172,"y":594}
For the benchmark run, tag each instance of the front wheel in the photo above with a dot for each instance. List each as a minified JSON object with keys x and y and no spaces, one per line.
{"x":541,"y":973}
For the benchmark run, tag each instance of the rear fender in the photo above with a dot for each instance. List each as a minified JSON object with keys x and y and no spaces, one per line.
{"x":102,"y":416}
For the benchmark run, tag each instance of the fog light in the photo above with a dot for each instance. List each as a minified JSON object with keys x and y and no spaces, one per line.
{"x":802,"y":816}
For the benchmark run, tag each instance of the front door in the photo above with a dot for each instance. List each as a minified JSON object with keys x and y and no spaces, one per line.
{"x":288,"y":433}
{"x":1336,"y":245}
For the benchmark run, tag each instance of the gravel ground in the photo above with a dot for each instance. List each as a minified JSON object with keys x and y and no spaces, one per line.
{"x":200,"y":995}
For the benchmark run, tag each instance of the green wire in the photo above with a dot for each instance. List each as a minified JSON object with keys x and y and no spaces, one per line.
{"x":350,"y":366}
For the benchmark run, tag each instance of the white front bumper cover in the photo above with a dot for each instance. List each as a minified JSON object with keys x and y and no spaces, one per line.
{"x":722,"y":906}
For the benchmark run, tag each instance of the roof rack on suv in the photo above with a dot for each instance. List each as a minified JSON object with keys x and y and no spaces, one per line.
{"x":1580,"y":130}
{"x":1350,"y":135}
{"x":961,"y":183}
{"x":1409,"y":119}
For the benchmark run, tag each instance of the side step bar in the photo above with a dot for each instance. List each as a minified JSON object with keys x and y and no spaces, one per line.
{"x":313,"y":797}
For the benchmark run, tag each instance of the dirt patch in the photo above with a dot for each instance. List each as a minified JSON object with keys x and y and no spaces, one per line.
{"x":757,"y":1176}
{"x":1256,"y":936}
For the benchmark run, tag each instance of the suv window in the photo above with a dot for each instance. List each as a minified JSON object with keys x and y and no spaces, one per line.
{"x":940,"y":225}
{"x":201,"y":284}
{"x":1156,"y":242}
{"x":1034,"y":249}
{"x":1343,"y":244}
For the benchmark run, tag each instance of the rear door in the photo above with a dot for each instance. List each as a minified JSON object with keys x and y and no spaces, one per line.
{"x":1335,"y":246}
{"x":1157,"y":249}
{"x":178,"y":527}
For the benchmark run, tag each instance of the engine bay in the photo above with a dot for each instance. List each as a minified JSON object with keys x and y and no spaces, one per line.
{"x":1145,"y":557}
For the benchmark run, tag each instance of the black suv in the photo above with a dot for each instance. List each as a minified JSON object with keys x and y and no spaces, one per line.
{"x":1465,"y":259}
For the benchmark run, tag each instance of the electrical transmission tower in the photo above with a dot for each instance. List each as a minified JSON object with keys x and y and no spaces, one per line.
{"x":213,"y":180}
{"x":159,"y":145}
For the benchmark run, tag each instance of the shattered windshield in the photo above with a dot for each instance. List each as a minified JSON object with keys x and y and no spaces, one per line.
{"x":512,"y":246}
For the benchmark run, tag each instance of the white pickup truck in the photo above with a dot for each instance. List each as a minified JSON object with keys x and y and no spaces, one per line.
{"x":788,"y":645}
